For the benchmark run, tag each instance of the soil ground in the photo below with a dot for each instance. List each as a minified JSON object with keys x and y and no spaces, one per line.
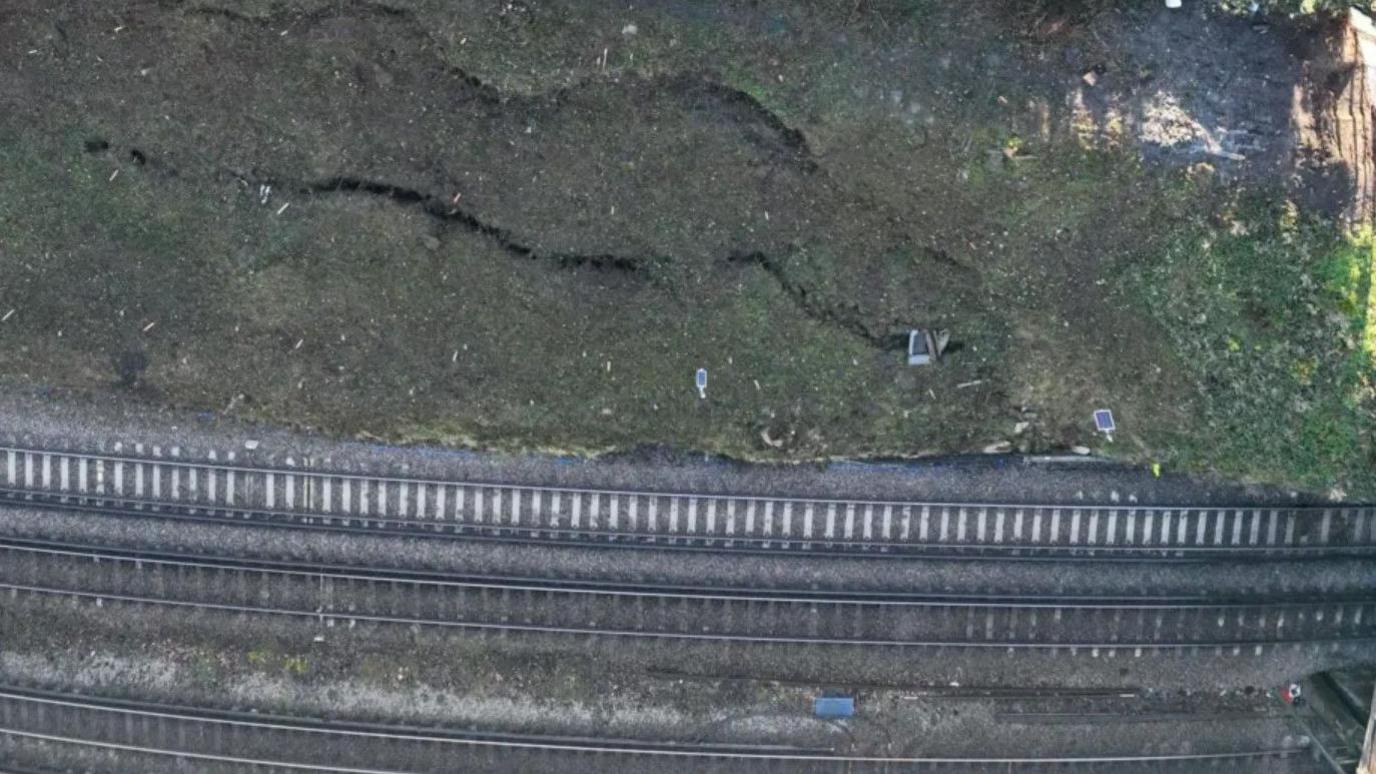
{"x":525,"y":225}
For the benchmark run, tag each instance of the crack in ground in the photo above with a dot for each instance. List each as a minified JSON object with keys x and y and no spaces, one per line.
{"x":441,"y":209}
{"x":758,"y":124}
{"x":787,"y":143}
{"x":792,"y":141}
{"x":307,"y":17}
{"x":486,"y":91}
{"x":820,"y":311}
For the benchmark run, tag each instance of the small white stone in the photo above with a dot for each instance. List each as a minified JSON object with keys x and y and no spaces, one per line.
{"x":250,"y":445}
{"x":629,"y":30}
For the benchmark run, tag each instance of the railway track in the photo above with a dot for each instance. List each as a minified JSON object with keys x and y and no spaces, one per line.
{"x":339,"y":595}
{"x":220,"y":488}
{"x":69,"y":729}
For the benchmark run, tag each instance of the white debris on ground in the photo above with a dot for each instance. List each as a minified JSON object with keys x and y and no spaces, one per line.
{"x":1169,"y":126}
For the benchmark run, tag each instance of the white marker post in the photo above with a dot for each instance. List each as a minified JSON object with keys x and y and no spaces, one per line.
{"x":702,"y":383}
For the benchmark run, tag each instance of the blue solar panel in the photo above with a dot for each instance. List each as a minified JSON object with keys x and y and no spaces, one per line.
{"x":1103,"y":419}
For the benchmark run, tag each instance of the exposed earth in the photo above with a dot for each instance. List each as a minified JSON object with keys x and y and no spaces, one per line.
{"x":526,"y":225}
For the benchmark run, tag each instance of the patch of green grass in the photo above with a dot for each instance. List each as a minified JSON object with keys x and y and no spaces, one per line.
{"x":1269,"y":310}
{"x":1065,"y":189}
{"x":95,"y":250}
{"x":742,"y":77}
{"x":268,"y":659}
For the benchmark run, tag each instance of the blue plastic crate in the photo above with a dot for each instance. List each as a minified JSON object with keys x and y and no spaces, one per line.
{"x":833,"y":706}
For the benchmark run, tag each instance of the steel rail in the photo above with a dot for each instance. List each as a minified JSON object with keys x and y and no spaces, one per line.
{"x":175,"y":486}
{"x":1008,"y":622}
{"x":627,"y":540}
{"x":161,"y":713}
{"x":322,"y":571}
{"x":187,"y":464}
{"x":566,"y":538}
{"x":100,"y":598}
